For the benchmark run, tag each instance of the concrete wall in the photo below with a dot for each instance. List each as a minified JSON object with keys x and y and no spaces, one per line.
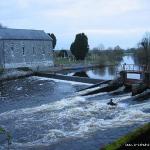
{"x":1,"y":54}
{"x":147,"y":78}
{"x":34,"y":54}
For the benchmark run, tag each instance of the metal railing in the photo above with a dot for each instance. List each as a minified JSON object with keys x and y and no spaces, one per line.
{"x":135,"y":68}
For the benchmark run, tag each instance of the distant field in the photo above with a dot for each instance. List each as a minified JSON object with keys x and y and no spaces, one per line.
{"x":93,"y":59}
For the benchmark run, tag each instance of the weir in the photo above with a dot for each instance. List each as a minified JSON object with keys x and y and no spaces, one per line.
{"x":53,"y":110}
{"x":142,"y":70}
{"x":136,"y":85}
{"x":69,"y":78}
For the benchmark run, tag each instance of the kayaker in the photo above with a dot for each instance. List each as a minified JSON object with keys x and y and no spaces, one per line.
{"x":111,"y":103}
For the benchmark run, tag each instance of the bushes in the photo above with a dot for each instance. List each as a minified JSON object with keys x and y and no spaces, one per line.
{"x":107,"y":57}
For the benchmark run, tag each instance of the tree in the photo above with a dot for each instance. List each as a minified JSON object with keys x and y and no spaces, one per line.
{"x":63,"y":53}
{"x":79,"y":48}
{"x":1,"y":26}
{"x":145,"y":44}
{"x":117,"y":47}
{"x":54,"y":39}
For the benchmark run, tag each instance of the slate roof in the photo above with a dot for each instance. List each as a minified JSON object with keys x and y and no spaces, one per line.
{"x":23,"y":34}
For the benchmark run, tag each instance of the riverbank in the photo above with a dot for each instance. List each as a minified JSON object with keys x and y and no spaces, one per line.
{"x":11,"y":74}
{"x":134,"y":140}
{"x":61,"y":68}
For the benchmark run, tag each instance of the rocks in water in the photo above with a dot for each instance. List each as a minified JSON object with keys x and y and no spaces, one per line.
{"x":142,"y":96}
{"x":138,"y":88}
{"x":113,"y":85}
{"x":116,"y":82}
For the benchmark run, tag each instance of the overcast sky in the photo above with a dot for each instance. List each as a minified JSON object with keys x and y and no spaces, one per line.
{"x":111,"y":22}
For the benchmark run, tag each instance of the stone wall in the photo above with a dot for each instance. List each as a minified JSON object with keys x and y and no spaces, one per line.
{"x":28,"y":53}
{"x":1,"y":54}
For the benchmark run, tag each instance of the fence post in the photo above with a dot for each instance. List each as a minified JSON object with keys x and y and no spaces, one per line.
{"x":124,"y":66}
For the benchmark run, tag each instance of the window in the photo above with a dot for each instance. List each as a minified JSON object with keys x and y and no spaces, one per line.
{"x":12,"y":50}
{"x":33,"y":51}
{"x":42,"y":49}
{"x":23,"y":52}
{"x":12,"y":47}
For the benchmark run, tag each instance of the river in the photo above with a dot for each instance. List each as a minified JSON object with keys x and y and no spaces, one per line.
{"x":104,"y":73}
{"x":45,"y":114}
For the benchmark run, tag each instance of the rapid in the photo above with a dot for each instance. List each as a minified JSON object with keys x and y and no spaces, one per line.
{"x":41,"y":113}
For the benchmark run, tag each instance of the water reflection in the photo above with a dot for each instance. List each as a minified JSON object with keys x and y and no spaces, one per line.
{"x":112,"y":70}
{"x":99,"y":71}
{"x":105,"y":73}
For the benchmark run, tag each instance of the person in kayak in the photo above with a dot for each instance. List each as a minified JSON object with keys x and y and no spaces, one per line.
{"x":111,"y":103}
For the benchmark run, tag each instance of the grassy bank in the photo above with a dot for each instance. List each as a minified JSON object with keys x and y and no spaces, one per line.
{"x":7,"y":135}
{"x":100,"y":58}
{"x":132,"y":140}
{"x":1,"y":70}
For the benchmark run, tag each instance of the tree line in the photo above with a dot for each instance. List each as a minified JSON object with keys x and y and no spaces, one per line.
{"x":80,"y":49}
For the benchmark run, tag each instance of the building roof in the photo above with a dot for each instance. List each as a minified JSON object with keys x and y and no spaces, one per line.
{"x":23,"y":34}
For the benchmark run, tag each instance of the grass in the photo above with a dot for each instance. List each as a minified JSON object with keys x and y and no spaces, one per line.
{"x":7,"y":134}
{"x":1,"y":70}
{"x":90,"y":59}
{"x":64,"y":61}
{"x":130,"y":138}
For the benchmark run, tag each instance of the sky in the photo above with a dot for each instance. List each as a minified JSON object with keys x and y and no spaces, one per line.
{"x":107,"y":22}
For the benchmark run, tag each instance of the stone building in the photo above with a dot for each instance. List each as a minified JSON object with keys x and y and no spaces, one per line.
{"x":25,"y":48}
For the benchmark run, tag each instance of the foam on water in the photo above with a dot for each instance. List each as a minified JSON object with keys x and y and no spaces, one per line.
{"x":19,"y":88}
{"x":58,"y":80}
{"x":118,"y":90}
{"x":122,"y":98}
{"x":90,"y":90}
{"x":94,"y":95}
{"x":71,"y":117}
{"x":89,"y":121}
{"x":71,"y":101}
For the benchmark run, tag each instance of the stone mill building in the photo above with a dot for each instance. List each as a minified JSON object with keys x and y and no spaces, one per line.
{"x":25,"y":48}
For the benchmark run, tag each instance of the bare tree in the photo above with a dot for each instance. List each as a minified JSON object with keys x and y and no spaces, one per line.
{"x":117,"y":47}
{"x":1,"y":26}
{"x":145,"y":44}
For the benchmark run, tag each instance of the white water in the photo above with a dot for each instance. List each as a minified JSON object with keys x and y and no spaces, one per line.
{"x":71,"y":117}
{"x":64,"y":81}
{"x":88,"y":115}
